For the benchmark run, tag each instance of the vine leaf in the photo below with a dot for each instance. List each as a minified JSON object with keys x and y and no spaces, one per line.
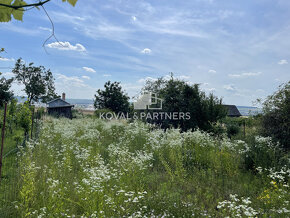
{"x":18,"y":7}
{"x":72,"y":2}
{"x":5,"y":13}
{"x":18,"y":14}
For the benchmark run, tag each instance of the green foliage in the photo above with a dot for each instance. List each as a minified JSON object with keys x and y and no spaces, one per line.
{"x":179,"y":96}
{"x":24,"y":115}
{"x":113,"y":98}
{"x":232,"y":130}
{"x":16,"y":8}
{"x":5,"y":93}
{"x":38,"y":82}
{"x":72,"y":2}
{"x":276,"y":119}
{"x":92,"y":168}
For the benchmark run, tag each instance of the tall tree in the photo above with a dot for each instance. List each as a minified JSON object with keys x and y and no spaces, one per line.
{"x":38,"y":82}
{"x":112,"y":97}
{"x":179,"y":96}
{"x":5,"y":93}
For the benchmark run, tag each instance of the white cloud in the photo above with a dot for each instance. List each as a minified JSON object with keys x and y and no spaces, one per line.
{"x":73,"y":86}
{"x":243,"y":75}
{"x":132,"y":89}
{"x":7,"y":74}
{"x":212,"y":71}
{"x":45,"y":29}
{"x":6,"y":59}
{"x":67,"y":46}
{"x":281,"y":62}
{"x":167,"y":77}
{"x":143,"y":80}
{"x":183,"y":77}
{"x":260,"y":90}
{"x":146,"y":51}
{"x":88,"y":69}
{"x":86,"y":77}
{"x":107,"y":75}
{"x":72,"y":81}
{"x":230,"y":87}
{"x":134,"y":18}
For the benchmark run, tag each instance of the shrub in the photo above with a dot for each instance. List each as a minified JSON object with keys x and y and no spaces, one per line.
{"x":232,"y":130}
{"x":276,"y":119}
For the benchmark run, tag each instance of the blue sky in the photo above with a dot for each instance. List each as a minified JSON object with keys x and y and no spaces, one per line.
{"x":239,"y":50}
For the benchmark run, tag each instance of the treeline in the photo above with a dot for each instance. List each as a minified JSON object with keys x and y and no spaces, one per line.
{"x":178,"y":97}
{"x":206,"y":111}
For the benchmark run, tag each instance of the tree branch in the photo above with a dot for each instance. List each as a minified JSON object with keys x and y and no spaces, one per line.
{"x":24,"y":6}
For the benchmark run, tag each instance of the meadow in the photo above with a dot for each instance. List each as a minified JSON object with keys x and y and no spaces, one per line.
{"x":88,"y":167}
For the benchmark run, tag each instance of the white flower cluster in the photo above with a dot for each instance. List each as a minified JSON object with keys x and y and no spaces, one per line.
{"x":237,"y":207}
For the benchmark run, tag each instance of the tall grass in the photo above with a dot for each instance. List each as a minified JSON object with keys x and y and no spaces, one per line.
{"x":92,"y":168}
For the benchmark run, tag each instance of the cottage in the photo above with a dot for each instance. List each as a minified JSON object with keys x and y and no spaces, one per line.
{"x":59,"y":107}
{"x":233,"y":111}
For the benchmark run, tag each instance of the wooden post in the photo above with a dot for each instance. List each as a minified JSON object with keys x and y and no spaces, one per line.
{"x":2,"y":141}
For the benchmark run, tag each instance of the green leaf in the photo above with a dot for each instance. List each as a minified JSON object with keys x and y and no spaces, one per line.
{"x":5,"y":12}
{"x":18,"y":14}
{"x":72,"y":2}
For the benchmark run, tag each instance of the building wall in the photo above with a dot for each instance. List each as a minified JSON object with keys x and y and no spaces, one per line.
{"x":60,"y":112}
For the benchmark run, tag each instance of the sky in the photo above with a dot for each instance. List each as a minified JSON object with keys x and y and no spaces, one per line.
{"x":238,"y":50}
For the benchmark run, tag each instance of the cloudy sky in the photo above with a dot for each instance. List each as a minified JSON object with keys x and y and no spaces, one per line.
{"x":239,"y":50}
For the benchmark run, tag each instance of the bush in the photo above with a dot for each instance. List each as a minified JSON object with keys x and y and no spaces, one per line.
{"x":232,"y":130}
{"x":179,"y":96}
{"x":276,"y":119}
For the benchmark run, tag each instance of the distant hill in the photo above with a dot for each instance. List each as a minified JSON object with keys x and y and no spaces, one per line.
{"x":248,"y":111}
{"x":71,"y":101}
{"x":88,"y":104}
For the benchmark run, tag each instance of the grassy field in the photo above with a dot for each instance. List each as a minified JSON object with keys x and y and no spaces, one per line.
{"x":92,"y":168}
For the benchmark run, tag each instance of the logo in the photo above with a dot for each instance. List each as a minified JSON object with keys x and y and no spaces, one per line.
{"x":148,"y":101}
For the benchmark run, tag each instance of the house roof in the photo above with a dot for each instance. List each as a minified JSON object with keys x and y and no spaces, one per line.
{"x":56,"y":103}
{"x":233,"y":111}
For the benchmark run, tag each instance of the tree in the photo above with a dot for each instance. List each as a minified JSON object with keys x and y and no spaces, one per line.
{"x":16,"y":8}
{"x":38,"y":82}
{"x":24,"y":115}
{"x":179,"y":96}
{"x":276,"y":119}
{"x":113,"y":98}
{"x":5,"y":93}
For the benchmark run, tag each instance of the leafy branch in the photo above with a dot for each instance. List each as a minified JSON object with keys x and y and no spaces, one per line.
{"x":16,"y":7}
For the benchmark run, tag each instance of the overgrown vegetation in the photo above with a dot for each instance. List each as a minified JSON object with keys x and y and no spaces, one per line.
{"x":88,"y":167}
{"x":92,"y":168}
{"x":179,"y":96}
{"x":276,"y":119}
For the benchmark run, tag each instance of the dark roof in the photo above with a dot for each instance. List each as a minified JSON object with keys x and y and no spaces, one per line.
{"x":233,"y":111}
{"x":57,"y":103}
